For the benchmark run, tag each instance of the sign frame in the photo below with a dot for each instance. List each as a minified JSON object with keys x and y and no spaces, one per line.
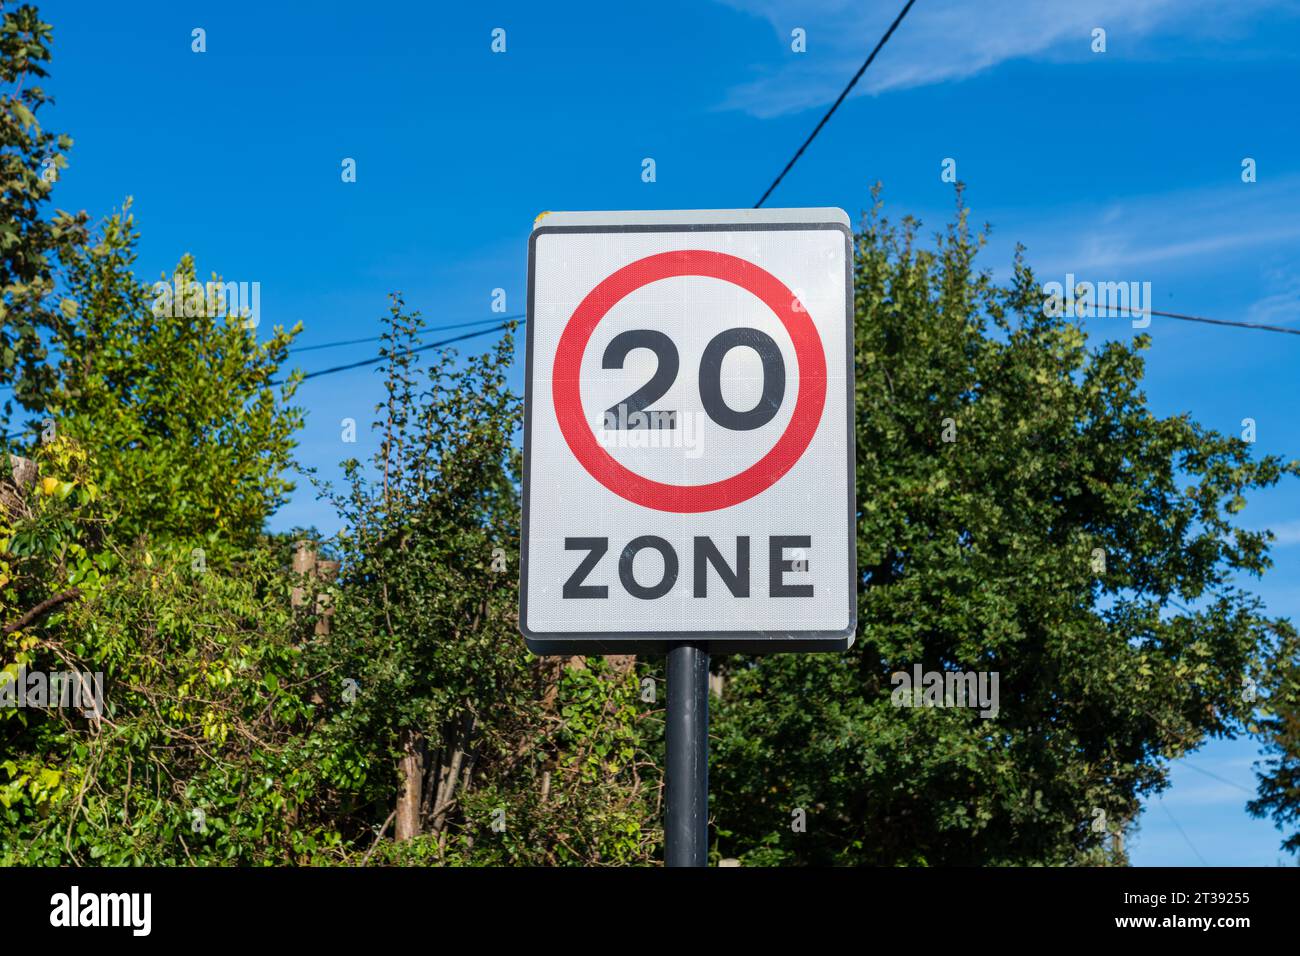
{"x":732,"y":641}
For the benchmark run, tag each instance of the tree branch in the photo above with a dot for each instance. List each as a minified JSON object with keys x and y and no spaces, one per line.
{"x":71,"y":594}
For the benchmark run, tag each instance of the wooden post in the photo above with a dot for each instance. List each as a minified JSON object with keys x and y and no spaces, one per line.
{"x":410,"y":770}
{"x":24,"y":471}
{"x":13,"y":492}
{"x":326,"y":571}
{"x":304,"y":563}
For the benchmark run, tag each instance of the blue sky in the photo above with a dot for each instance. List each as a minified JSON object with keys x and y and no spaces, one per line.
{"x":1115,"y":166}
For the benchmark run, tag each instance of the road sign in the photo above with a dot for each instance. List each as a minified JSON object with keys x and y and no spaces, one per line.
{"x":688,"y":447}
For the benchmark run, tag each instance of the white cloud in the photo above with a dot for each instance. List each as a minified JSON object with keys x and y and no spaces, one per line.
{"x":1233,"y":226}
{"x":943,"y":40}
{"x":1286,"y":533}
{"x":1280,"y":308}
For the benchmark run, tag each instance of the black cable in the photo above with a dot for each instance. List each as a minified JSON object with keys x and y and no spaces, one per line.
{"x":434,"y":328}
{"x":853,"y":82}
{"x":370,"y":361}
{"x":377,"y":338}
{"x":1193,"y":318}
{"x":379,"y":358}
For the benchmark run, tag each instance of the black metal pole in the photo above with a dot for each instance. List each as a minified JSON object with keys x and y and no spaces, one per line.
{"x":686,"y":825}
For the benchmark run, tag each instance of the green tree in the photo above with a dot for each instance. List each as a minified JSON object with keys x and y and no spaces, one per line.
{"x":50,"y":540}
{"x":482,"y":753}
{"x":139,"y":554}
{"x":1020,"y":511}
{"x":30,"y":245}
{"x":1279,"y":726}
{"x":179,"y":401}
{"x":195,"y":756}
{"x":165,"y":431}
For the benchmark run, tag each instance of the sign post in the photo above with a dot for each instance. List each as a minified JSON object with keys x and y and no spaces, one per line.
{"x":686,"y":823}
{"x":688,"y":452}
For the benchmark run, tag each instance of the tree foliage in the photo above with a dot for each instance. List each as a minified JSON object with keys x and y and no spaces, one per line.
{"x":982,"y":554}
{"x":498,"y":758}
{"x":139,"y":528}
{"x":30,"y":244}
{"x":178,"y":398}
{"x":1279,"y":776}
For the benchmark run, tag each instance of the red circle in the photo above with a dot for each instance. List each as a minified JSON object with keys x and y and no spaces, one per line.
{"x":689,"y":499}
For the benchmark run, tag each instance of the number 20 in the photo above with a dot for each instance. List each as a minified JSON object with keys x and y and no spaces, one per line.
{"x":633,"y":412}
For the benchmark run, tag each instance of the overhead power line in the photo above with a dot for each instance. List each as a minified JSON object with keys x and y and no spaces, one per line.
{"x":377,"y":338}
{"x":376,"y":359}
{"x":1215,"y":776}
{"x":433,"y":328}
{"x":423,"y":348}
{"x":853,"y":82}
{"x":1180,"y":829}
{"x":1258,"y":326}
{"x":834,"y":106}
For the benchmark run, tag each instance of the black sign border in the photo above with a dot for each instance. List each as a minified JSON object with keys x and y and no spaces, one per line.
{"x":725,"y":642}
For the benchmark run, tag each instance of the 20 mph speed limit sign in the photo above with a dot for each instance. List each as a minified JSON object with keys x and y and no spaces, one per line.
{"x":688,"y":449}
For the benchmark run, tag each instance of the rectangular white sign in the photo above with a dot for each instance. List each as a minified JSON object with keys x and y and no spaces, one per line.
{"x":688,"y":447}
